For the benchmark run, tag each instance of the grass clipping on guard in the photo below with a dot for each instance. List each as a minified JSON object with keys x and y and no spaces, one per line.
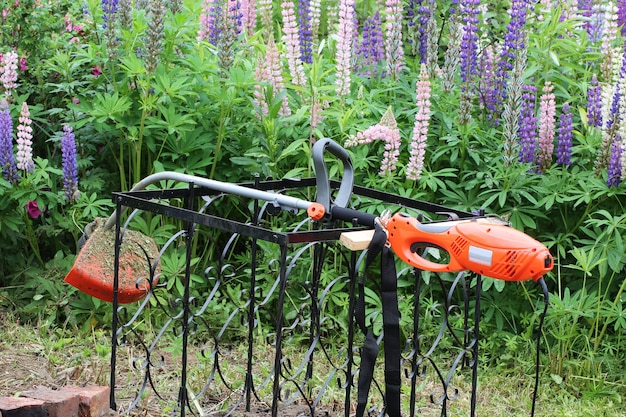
{"x":94,"y":269}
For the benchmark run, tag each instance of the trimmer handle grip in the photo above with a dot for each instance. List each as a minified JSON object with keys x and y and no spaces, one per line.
{"x":321,"y":174}
{"x":405,"y":241}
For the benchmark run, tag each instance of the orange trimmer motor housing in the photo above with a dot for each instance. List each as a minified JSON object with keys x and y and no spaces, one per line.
{"x":493,"y":250}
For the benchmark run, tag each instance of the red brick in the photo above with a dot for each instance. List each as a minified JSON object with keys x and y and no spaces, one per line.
{"x":57,"y":403}
{"x":21,"y":407}
{"x":94,"y":400}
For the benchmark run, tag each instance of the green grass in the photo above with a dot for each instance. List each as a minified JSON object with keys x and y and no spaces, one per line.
{"x":33,"y":355}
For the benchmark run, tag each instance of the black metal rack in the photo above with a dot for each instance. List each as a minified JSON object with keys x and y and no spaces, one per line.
{"x":274,"y":269}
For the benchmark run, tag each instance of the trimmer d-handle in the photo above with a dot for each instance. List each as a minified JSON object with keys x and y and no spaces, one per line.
{"x":490,"y":249}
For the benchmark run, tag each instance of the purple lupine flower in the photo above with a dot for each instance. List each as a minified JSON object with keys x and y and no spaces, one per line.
{"x":394,"y":54}
{"x":594,"y":103}
{"x":344,"y":46}
{"x":418,"y":15}
{"x":7,"y":160}
{"x":595,"y":25}
{"x":109,"y":9}
{"x":304,"y":31}
{"x":614,"y":172}
{"x":371,"y":51}
{"x":621,"y":16}
{"x":210,"y":15}
{"x":70,"y":170}
{"x":564,"y":137}
{"x":469,"y":41}
{"x":425,"y":18}
{"x":453,"y":6}
{"x":528,"y":125}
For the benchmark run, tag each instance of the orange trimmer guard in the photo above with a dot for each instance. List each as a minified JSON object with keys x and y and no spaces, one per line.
{"x":94,"y":269}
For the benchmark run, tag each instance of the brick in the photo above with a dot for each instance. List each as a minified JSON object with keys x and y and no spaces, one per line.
{"x":21,"y":407}
{"x":94,"y":400}
{"x":57,"y":403}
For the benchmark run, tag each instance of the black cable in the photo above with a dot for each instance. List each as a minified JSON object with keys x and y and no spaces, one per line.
{"x":546,"y":296}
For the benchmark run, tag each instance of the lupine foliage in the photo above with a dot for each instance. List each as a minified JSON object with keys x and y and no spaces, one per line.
{"x":513,"y":106}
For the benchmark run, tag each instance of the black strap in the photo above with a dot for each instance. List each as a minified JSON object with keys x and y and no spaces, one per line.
{"x":391,"y":329}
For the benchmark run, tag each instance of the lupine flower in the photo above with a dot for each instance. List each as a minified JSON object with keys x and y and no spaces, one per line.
{"x":125,"y":13}
{"x":595,"y":25}
{"x":612,"y":96}
{"x":528,"y":125}
{"x":486,"y":83}
{"x":23,"y":65}
{"x":154,"y":35}
{"x":469,"y":46}
{"x":265,"y":11}
{"x":432,"y":41}
{"x":315,"y":7}
{"x":614,"y":174}
{"x":609,"y":34}
{"x":292,"y":45}
{"x":344,"y":46}
{"x":451,"y":58}
{"x":387,"y":131}
{"x":24,"y":141}
{"x":33,"y":210}
{"x":8,"y":71}
{"x":304,"y":31}
{"x":514,"y":36}
{"x":209,"y":16}
{"x":109,"y":9}
{"x":70,"y":170}
{"x":371,"y":51}
{"x":564,"y":137}
{"x":269,"y":72}
{"x":420,"y":128}
{"x":512,"y":108}
{"x":248,"y":10}
{"x":621,"y":16}
{"x":594,"y":103}
{"x":7,"y":161}
{"x":394,"y":54}
{"x":547,"y":113}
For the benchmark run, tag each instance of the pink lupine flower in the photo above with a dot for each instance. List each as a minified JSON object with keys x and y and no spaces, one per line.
{"x":23,"y":65}
{"x":96,"y":70}
{"x":24,"y":157}
{"x":387,"y":131}
{"x":265,"y":12}
{"x":33,"y":210}
{"x":547,"y":114}
{"x":249,"y":11}
{"x":394,"y":54}
{"x":269,"y":71}
{"x":8,"y":71}
{"x":345,"y":35}
{"x":420,"y":128}
{"x":292,"y":44}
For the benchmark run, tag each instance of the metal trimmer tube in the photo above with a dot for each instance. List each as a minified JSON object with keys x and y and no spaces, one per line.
{"x":284,"y":201}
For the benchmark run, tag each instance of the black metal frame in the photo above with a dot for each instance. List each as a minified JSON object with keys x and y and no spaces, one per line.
{"x":290,"y":384}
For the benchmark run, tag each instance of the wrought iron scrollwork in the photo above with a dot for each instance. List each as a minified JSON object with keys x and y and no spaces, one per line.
{"x":200,"y":345}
